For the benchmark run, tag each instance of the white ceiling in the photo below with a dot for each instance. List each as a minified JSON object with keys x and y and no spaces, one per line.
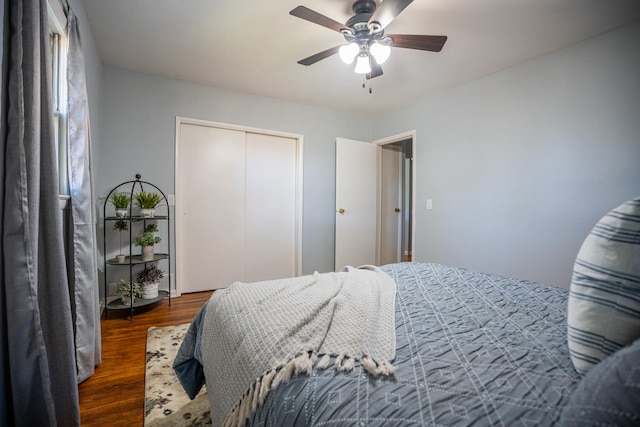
{"x":252,"y":46}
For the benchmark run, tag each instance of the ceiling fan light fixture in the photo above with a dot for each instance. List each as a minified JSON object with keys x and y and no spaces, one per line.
{"x":365,"y":37}
{"x":348,"y":52}
{"x":363,"y":66}
{"x":380,"y":52}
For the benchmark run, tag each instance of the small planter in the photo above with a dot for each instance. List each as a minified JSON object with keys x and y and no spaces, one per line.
{"x":121,"y":259}
{"x":147,"y":202}
{"x":149,"y":278}
{"x":149,"y":290}
{"x":147,"y":253}
{"x":120,"y":202}
{"x":128,"y":292}
{"x":146,"y":241}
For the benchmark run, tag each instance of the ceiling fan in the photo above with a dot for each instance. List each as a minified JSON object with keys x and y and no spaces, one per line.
{"x":364,"y":33}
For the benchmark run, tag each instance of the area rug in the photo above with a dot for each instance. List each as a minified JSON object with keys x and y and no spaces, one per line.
{"x":165,"y":401}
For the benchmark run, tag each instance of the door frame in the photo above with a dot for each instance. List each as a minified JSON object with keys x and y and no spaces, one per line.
{"x":298,"y":185}
{"x":391,"y":140}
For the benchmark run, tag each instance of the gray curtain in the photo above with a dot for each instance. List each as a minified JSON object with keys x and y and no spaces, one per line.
{"x":84,"y":279}
{"x":40,"y":383}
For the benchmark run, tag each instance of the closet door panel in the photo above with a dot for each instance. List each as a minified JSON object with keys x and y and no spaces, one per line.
{"x":270,"y":207}
{"x":210,"y":208}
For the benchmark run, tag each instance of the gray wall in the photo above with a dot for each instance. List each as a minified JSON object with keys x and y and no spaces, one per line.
{"x":522,"y":163}
{"x":138,"y":136}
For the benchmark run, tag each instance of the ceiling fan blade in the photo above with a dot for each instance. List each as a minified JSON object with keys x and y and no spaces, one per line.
{"x":376,"y":70}
{"x":319,"y":56}
{"x":387,"y":12}
{"x":409,"y":41}
{"x":318,"y":18}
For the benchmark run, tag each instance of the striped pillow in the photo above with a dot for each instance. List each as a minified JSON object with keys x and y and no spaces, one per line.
{"x":604,"y":300}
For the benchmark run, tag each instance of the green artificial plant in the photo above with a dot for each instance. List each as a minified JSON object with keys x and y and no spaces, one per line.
{"x":121,"y":225}
{"x":120,"y":200}
{"x":145,"y":200}
{"x":147,"y":238}
{"x":126,"y":290}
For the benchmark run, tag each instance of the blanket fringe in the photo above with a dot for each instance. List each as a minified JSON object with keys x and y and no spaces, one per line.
{"x":347,"y":366}
{"x":303,"y":363}
{"x":324,"y":362}
{"x":369,"y":365}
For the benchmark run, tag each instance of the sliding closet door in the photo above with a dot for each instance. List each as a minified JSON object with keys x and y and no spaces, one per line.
{"x":271,"y":207}
{"x":236,"y":207}
{"x":210,"y":234}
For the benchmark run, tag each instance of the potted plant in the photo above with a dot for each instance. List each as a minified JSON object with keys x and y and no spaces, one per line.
{"x":149,"y":279}
{"x":120,"y":225}
{"x":146,"y":241}
{"x":120,"y":201}
{"x":147,"y":203}
{"x":128,"y":292}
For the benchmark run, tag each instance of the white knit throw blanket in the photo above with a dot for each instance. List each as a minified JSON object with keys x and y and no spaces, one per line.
{"x":256,"y":335}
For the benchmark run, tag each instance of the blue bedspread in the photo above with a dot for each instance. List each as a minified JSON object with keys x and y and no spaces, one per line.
{"x":472,"y":349}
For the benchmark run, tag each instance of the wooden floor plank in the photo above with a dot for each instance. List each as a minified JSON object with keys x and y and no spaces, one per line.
{"x":114,"y":395}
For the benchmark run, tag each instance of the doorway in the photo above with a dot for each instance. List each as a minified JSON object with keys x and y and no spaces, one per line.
{"x":375,"y":201}
{"x":396,"y":199}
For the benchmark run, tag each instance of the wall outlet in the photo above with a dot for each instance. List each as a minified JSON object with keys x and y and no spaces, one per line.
{"x":429,"y":204}
{"x":171,"y":199}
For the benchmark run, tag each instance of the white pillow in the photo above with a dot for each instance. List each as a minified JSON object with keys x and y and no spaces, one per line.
{"x":604,"y":301}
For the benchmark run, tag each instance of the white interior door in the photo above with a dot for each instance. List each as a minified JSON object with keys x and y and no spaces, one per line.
{"x":356,"y":203}
{"x":236,"y":207}
{"x":390,"y":205}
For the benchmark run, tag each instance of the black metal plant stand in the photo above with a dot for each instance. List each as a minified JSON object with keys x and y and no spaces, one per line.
{"x":134,"y":262}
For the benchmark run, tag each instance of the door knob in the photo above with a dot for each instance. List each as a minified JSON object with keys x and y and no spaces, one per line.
{"x":397,"y":210}
{"x":341,"y":211}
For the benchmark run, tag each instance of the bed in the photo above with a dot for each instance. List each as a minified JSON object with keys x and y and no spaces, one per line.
{"x":471,"y":349}
{"x":437,"y":345}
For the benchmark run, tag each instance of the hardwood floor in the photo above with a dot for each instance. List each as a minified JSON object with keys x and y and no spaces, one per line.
{"x":114,"y":395}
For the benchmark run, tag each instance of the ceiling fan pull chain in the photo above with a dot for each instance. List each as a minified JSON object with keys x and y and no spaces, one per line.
{"x":364,"y":83}
{"x":370,"y":72}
